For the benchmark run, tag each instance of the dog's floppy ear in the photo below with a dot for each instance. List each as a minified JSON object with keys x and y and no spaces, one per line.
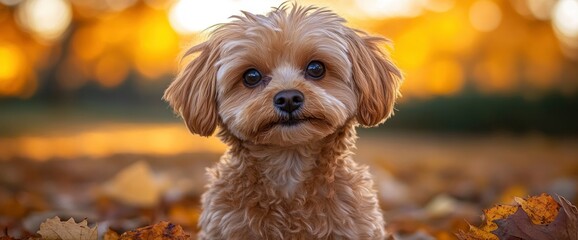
{"x":377,"y":79}
{"x":193,"y":93}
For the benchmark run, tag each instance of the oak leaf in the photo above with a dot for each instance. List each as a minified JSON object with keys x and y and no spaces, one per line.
{"x":535,"y":218}
{"x":495,"y":213}
{"x":55,"y":229}
{"x":160,"y":231}
{"x":542,"y":209}
{"x":521,"y":225}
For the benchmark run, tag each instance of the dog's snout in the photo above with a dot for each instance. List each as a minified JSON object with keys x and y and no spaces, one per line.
{"x":288,"y":100}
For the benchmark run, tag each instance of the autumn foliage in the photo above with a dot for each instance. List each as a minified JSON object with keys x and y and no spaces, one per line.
{"x":534,"y":218}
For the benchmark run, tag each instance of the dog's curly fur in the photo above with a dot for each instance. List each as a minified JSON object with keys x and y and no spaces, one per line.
{"x":280,"y":181}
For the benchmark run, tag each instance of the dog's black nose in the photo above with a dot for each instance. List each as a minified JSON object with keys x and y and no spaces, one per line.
{"x":288,"y":100}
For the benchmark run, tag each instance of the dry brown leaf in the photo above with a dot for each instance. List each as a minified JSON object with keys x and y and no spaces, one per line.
{"x":160,"y":231}
{"x":55,"y":229}
{"x":535,"y":218}
{"x":542,"y":209}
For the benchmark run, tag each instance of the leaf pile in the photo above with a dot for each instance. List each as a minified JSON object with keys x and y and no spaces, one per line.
{"x":162,"y":231}
{"x":55,"y":229}
{"x":535,"y":218}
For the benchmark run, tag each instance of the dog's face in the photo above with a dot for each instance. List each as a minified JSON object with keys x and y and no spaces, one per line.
{"x":289,"y":77}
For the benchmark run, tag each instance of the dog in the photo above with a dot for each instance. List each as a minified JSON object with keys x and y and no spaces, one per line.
{"x":286,"y":91}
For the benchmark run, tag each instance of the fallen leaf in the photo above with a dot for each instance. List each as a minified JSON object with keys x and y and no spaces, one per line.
{"x":519,"y":225}
{"x":135,"y":185}
{"x":535,"y":218}
{"x":571,"y":213}
{"x":495,"y":213}
{"x":160,"y":231}
{"x":55,"y":229}
{"x":542,"y":209}
{"x":475,"y":233}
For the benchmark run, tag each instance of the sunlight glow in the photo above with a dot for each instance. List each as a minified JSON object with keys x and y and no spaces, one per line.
{"x":439,"y":5}
{"x":10,"y":2}
{"x":390,"y":8}
{"x":565,"y":18}
{"x":445,"y":77}
{"x":155,"y":46}
{"x":485,"y":15}
{"x":14,"y":72}
{"x":541,"y":9}
{"x":111,"y":70}
{"x":119,"y":5}
{"x":12,"y":61}
{"x":189,"y":16}
{"x":162,"y":139}
{"x":47,"y":19}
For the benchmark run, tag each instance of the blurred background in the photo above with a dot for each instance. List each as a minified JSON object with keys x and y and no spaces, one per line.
{"x":489,"y":108}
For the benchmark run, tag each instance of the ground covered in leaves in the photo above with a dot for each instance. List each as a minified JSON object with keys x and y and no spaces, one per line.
{"x":430,"y":186}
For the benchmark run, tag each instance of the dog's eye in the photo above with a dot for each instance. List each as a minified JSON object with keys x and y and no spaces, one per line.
{"x":315,"y":70}
{"x":251,"y":78}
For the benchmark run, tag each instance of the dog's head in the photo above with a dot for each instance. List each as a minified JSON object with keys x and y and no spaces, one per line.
{"x":289,"y":77}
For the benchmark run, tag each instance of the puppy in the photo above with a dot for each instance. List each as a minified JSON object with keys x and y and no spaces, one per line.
{"x":286,"y":91}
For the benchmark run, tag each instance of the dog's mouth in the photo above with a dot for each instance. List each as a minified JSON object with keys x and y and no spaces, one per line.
{"x":291,"y":121}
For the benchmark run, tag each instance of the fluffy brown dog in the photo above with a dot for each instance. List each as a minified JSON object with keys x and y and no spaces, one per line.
{"x":286,"y":91}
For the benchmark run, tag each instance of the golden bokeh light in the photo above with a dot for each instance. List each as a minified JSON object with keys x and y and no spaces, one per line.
{"x":119,"y":5}
{"x":390,"y":8}
{"x":566,"y":17}
{"x":156,"y":46}
{"x":495,"y":72}
{"x":439,"y":5}
{"x":541,"y":9}
{"x":565,"y":22}
{"x":47,"y":19}
{"x":445,"y":78}
{"x":10,"y":2}
{"x":449,"y":33}
{"x":412,"y":49}
{"x":99,"y":142}
{"x":14,"y":74}
{"x":86,"y":45}
{"x":12,"y":62}
{"x":111,"y":70}
{"x":188,"y":16}
{"x":109,"y":40}
{"x":485,"y":15}
{"x":543,"y":60}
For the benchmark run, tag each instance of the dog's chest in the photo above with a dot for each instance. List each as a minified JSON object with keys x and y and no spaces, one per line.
{"x":286,"y":171}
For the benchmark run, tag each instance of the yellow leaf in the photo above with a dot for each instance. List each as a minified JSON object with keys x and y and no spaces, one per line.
{"x":495,"y":213}
{"x":135,"y":185}
{"x":541,"y":209}
{"x":54,"y":229}
{"x":475,"y":233}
